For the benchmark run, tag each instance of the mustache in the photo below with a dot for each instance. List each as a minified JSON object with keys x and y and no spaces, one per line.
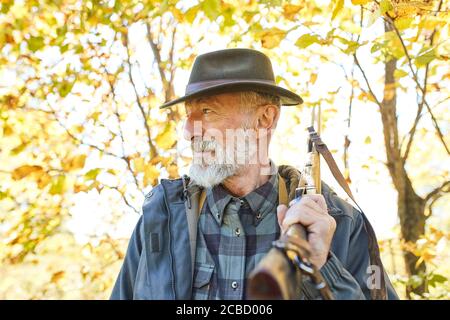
{"x":203,"y":145}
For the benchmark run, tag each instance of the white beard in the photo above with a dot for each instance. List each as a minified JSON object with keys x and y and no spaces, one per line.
{"x":211,"y":175}
{"x":212,"y":171}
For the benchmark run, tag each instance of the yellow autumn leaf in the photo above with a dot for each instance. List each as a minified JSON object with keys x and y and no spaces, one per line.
{"x":95,"y":115}
{"x":155,"y":160}
{"x":57,"y":276}
{"x":78,"y":161}
{"x":339,"y":4}
{"x":23,"y":171}
{"x":74,"y":163}
{"x":424,"y":58}
{"x":78,"y":128}
{"x":59,"y":185}
{"x":351,"y":27}
{"x":411,"y":8}
{"x":151,"y":174}
{"x":7,"y":130}
{"x":363,"y":96}
{"x":178,"y":15}
{"x":309,"y":23}
{"x":173,"y":171}
{"x":432,"y":22}
{"x":139,"y":164}
{"x":43,"y":180}
{"x":403,"y":22}
{"x":360,"y":2}
{"x":393,"y":44}
{"x":167,"y":138}
{"x":399,"y":73}
{"x":313,"y":78}
{"x":271,"y":38}
{"x":306,"y":40}
{"x":191,"y":13}
{"x":290,"y":10}
{"x":132,"y":156}
{"x":385,"y":6}
{"x":80,"y":188}
{"x":112,"y":171}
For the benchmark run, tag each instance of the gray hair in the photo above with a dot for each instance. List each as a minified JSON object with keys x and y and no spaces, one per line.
{"x":251,"y":99}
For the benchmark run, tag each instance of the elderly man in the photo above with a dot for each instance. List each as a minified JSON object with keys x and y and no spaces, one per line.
{"x":232,"y":107}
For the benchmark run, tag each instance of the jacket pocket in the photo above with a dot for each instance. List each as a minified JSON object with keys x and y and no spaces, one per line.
{"x":142,"y":289}
{"x":202,"y":281}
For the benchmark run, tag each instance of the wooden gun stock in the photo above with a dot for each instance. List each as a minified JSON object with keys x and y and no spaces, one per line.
{"x":275,"y":277}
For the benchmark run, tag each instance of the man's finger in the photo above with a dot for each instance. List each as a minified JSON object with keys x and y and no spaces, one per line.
{"x":319,"y":199}
{"x":310,"y":203}
{"x":281,"y":213}
{"x":306,"y":217}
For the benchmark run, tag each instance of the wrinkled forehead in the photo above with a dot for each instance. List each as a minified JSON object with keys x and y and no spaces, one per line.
{"x":219,"y":100}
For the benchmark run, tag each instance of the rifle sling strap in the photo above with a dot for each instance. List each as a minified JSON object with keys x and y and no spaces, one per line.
{"x":374,"y":251}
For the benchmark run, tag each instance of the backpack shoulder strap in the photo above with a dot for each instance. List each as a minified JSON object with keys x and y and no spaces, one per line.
{"x":283,"y":197}
{"x":193,"y":209}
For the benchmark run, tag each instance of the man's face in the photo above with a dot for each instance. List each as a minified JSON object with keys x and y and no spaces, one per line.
{"x":220,"y":132}
{"x":216,"y":113}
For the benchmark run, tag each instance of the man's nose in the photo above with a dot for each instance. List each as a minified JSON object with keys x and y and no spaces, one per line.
{"x":192,"y":128}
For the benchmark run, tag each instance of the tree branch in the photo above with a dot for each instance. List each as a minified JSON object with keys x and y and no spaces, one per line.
{"x":124,"y":198}
{"x":117,"y":115}
{"x":172,"y":66}
{"x":153,"y":152}
{"x":79,"y":140}
{"x":438,"y":192}
{"x":103,"y":151}
{"x":157,"y":56}
{"x":166,"y":83}
{"x":416,"y":80}
{"x":425,"y":83}
{"x":412,"y":132}
{"x":367,"y":82}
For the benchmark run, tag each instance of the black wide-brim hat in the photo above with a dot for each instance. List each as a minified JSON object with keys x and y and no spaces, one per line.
{"x":233,"y":70}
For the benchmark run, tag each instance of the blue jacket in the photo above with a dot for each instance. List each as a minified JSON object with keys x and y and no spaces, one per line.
{"x":157,"y":264}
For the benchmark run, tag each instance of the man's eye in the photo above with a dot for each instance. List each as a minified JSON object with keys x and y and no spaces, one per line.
{"x":206,"y":111}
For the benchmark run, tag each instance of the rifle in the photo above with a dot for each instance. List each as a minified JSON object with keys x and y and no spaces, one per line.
{"x":279,"y":274}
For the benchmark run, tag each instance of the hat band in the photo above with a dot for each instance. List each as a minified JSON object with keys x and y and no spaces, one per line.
{"x":197,"y":86}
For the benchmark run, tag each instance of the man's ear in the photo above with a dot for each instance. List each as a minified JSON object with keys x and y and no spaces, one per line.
{"x":267,"y":116}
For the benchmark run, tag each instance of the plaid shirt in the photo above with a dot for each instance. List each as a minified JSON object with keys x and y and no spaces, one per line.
{"x":233,"y":236}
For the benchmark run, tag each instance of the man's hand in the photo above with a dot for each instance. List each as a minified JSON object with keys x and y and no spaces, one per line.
{"x":311,"y":211}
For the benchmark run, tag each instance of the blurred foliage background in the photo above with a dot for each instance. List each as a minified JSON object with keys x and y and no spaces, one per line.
{"x":82,"y":139}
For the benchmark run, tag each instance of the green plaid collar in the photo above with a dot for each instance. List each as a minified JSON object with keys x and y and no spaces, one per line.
{"x":262,"y":200}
